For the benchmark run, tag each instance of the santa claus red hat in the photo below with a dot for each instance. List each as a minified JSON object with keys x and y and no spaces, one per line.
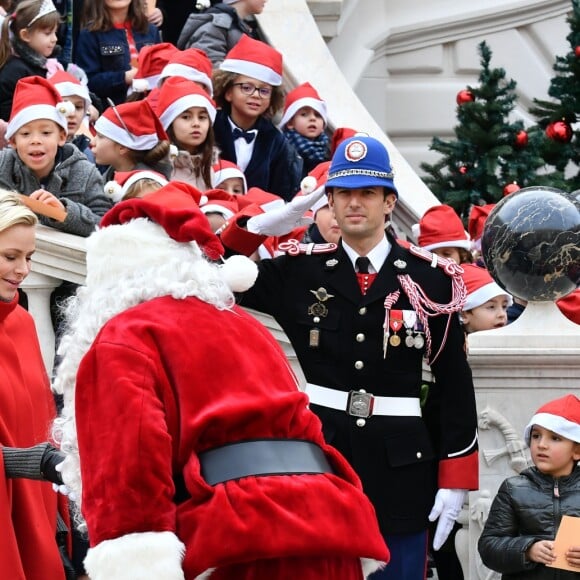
{"x":177,"y":95}
{"x":192,"y":64}
{"x":133,"y":125}
{"x":562,"y":416}
{"x":339,"y":135}
{"x":36,"y":98}
{"x":441,"y":227}
{"x":152,"y":60}
{"x":223,"y":170}
{"x":221,"y":202}
{"x":303,"y":95}
{"x":124,"y":180}
{"x":254,"y":59}
{"x":316,"y":181}
{"x":480,"y":286}
{"x":69,"y":86}
{"x":477,"y":217}
{"x":265,"y":200}
{"x":175,"y":207}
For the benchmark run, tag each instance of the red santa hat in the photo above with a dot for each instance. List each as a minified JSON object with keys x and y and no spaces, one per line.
{"x":177,"y":95}
{"x":476,"y":221}
{"x":221,"y":202}
{"x":441,"y":227}
{"x":175,"y":208}
{"x":562,"y":416}
{"x":223,"y":170}
{"x":570,"y":306}
{"x":192,"y":64}
{"x":254,"y":59}
{"x":265,"y":200}
{"x":339,"y":135}
{"x":152,"y":60}
{"x":303,"y":95}
{"x":133,"y":125}
{"x":36,"y":98}
{"x":315,"y":181}
{"x":480,"y":286}
{"x":117,"y":189}
{"x":69,"y":86}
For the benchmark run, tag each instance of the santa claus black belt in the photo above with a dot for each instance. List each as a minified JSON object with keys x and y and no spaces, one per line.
{"x":262,"y":457}
{"x":362,"y":404}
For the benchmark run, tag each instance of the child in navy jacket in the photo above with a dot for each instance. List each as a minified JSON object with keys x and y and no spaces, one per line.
{"x":247,"y":88}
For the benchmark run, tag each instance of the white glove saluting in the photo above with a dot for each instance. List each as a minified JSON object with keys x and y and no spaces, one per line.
{"x":283,"y":220}
{"x":448,"y":504}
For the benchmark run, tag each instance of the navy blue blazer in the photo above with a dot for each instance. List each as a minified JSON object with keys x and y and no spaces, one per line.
{"x":273,"y":166}
{"x":105,"y":57}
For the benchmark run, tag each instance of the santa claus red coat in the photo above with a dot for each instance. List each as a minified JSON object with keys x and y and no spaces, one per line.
{"x":175,"y":376}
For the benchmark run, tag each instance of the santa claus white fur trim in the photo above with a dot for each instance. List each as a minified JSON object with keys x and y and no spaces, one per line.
{"x":143,"y":555}
{"x":369,"y":566}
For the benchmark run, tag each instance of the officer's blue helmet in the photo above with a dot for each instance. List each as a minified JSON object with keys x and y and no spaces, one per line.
{"x":361,"y":161}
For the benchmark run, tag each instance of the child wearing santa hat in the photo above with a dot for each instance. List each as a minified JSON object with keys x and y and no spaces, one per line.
{"x":72,"y":90}
{"x":42,"y":165}
{"x":187,"y":114}
{"x":219,"y":28}
{"x":303,"y":123}
{"x":247,"y":90}
{"x":130,"y":136}
{"x":486,"y":304}
{"x":229,"y":177}
{"x":151,"y":61}
{"x":441,"y":231}
{"x":137,"y":183}
{"x":518,"y":538}
{"x":217,"y":446}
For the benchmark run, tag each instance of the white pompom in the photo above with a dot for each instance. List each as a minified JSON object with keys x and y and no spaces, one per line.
{"x":308,"y":184}
{"x":66,"y":108}
{"x":140,"y":85}
{"x":416,"y":231}
{"x":114,"y":191}
{"x":239,"y":273}
{"x":173,"y":151}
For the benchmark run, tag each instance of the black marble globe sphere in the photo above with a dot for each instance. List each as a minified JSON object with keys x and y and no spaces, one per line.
{"x":531,"y":243}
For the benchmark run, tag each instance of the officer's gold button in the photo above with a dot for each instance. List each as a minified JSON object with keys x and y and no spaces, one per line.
{"x":419,"y":455}
{"x":361,"y":422}
{"x":360,"y":337}
{"x":359,"y":364}
{"x":362,"y":310}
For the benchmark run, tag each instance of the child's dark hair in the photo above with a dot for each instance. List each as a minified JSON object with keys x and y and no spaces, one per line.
{"x":223,"y":80}
{"x":20,"y":20}
{"x":465,"y":256}
{"x":96,"y":18}
{"x":206,"y":151}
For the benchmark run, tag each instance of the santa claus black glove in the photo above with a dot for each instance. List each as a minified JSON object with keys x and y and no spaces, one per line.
{"x":48,"y":465}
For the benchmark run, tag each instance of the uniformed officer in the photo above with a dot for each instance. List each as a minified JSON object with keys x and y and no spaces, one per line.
{"x":362,"y":315}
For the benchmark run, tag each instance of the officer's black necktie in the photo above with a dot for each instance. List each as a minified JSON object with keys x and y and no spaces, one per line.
{"x":362,"y":265}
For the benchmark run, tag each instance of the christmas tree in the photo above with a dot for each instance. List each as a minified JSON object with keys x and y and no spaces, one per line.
{"x":491,"y":156}
{"x":559,"y":142}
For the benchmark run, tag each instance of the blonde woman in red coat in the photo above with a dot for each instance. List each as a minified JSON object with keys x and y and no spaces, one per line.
{"x":28,"y":509}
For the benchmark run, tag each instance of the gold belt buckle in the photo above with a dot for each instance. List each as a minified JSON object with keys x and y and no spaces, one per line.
{"x":360,"y":404}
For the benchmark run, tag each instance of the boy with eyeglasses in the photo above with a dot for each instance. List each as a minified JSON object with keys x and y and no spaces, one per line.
{"x":247,"y":90}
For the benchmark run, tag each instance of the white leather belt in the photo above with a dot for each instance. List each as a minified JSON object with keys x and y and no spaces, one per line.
{"x":363,"y":404}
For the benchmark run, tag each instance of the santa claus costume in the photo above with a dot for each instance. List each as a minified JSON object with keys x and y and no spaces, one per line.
{"x":198,"y":455}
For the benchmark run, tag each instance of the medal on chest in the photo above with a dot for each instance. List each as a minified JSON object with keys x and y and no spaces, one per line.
{"x":318,"y":310}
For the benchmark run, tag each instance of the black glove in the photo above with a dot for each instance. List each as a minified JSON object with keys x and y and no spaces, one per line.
{"x":51,"y":458}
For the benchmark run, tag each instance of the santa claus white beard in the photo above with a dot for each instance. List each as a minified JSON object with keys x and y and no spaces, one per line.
{"x":126,"y":265}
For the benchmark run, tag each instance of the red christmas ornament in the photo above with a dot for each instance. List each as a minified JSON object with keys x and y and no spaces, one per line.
{"x":464,"y":96}
{"x":559,"y":131}
{"x":577,"y":51}
{"x":463,"y":170}
{"x":510,"y":188}
{"x":521,"y":139}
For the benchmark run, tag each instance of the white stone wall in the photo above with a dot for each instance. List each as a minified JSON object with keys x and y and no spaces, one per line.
{"x":407,"y":60}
